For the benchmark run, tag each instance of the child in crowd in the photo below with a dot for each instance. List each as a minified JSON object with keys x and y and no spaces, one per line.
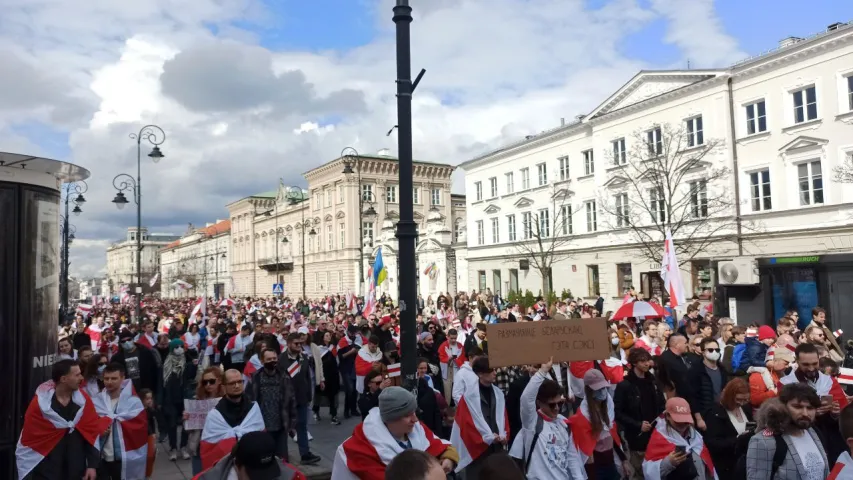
{"x":755,"y":357}
{"x":147,"y":397}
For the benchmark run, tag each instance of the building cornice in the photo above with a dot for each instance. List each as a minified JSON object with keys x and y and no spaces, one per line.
{"x":380,"y":166}
{"x":794,"y":53}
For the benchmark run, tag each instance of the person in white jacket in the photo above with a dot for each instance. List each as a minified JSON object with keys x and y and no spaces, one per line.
{"x":544,"y":444}
{"x":465,"y":375}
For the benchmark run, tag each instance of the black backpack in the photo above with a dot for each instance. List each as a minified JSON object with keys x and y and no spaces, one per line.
{"x":779,"y":455}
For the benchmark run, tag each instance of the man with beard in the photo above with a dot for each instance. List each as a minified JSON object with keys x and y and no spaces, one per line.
{"x":831,"y":396}
{"x":427,"y":350}
{"x":804,"y":457}
{"x":234,"y":416}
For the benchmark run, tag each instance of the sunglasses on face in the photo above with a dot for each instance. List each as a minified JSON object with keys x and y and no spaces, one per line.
{"x":555,"y":405}
{"x":712,"y":349}
{"x":209,"y":381}
{"x":377,"y":382}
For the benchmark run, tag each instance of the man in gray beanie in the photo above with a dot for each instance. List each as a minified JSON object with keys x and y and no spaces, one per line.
{"x":391,"y":428}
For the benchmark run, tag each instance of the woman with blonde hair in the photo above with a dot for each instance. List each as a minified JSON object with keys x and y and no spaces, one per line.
{"x":210,"y":386}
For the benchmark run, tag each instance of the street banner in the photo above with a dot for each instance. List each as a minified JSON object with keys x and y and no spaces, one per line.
{"x":198,"y":410}
{"x":527,"y":343}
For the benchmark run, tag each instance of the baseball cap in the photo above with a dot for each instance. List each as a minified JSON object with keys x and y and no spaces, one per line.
{"x":594,"y":379}
{"x":255,"y":451}
{"x":679,"y":410}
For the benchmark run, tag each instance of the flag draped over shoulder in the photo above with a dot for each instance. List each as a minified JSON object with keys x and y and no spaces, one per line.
{"x":364,"y":361}
{"x":218,"y":438}
{"x":471,"y":434}
{"x":371,"y":448}
{"x":253,"y":365}
{"x":663,"y":442}
{"x":44,"y":428}
{"x":130,"y":421}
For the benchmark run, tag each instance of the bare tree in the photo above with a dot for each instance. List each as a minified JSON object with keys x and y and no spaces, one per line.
{"x":543,"y":236}
{"x":844,"y":173}
{"x":669,"y":179}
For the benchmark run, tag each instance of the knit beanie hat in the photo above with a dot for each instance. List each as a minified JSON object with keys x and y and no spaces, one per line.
{"x":175,"y":343}
{"x":765,"y":332}
{"x":395,"y":403}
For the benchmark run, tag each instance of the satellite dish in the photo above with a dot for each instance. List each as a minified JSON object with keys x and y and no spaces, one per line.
{"x":729,"y":273}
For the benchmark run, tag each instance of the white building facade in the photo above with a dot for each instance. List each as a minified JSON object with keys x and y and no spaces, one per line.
{"x":752,"y":150}
{"x":121,"y":259}
{"x":199,"y":258}
{"x":312,"y":240}
{"x":90,"y":288}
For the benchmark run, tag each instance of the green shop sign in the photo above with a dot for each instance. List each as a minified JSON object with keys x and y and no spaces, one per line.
{"x":781,"y":260}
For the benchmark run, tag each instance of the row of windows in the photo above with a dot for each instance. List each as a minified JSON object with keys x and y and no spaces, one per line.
{"x":540,"y":225}
{"x":368,"y":194}
{"x":809,"y":186}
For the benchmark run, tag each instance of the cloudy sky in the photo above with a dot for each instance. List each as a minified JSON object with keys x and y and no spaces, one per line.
{"x":252,"y":90}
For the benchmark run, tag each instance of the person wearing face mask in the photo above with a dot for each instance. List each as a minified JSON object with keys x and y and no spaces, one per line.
{"x":178,"y":384}
{"x":139,"y":363}
{"x":273,"y":390}
{"x":676,"y":450}
{"x":234,"y":416}
{"x":93,"y":374}
{"x":707,"y":380}
{"x":729,"y":426}
{"x":638,"y":402}
{"x":594,"y":431}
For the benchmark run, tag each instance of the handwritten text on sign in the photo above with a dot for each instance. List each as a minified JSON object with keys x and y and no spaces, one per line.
{"x":535,"y":342}
{"x":198,"y":410}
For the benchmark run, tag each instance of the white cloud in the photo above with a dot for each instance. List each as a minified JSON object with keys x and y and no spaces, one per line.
{"x":496,"y":70}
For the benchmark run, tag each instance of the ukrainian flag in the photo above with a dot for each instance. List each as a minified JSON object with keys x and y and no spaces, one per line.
{"x":380,"y":273}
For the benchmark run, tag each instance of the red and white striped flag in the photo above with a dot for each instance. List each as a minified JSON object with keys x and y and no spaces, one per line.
{"x":200,"y":306}
{"x":124,"y":293}
{"x":218,"y":437}
{"x":84,"y":309}
{"x":838,"y":333}
{"x":153,"y":280}
{"x":671,"y":273}
{"x":130,"y":423}
{"x":751,"y":332}
{"x":394,"y":370}
{"x":845,"y":376}
{"x":293,"y":369}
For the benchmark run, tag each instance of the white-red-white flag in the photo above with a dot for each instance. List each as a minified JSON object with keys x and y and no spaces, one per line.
{"x":200,"y":306}
{"x":671,"y":274}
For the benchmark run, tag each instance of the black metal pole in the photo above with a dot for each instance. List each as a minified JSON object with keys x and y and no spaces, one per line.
{"x":64,"y":284}
{"x":360,"y":231}
{"x":138,"y":226}
{"x":407,"y":229}
{"x":304,"y":297}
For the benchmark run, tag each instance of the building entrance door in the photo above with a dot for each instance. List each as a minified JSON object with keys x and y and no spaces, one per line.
{"x":841,"y":300}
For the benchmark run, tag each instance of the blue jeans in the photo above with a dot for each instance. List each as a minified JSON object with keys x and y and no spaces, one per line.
{"x":302,"y":429}
{"x":350,"y":394}
{"x":196,"y":463}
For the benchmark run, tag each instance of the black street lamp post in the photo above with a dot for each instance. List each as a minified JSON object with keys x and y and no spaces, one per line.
{"x":75,"y":190}
{"x":407,"y":229}
{"x":351,"y":157}
{"x":155,"y":136}
{"x":216,"y":262}
{"x":297,"y":196}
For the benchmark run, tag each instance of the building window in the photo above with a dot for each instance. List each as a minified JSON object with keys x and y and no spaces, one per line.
{"x":367,"y":193}
{"x":367,"y":227}
{"x":566,"y":219}
{"x":592,"y":279}
{"x":525,"y":178}
{"x":493,"y":186}
{"x":478,"y":191}
{"x":542,"y":170}
{"x":620,"y":156}
{"x":654,"y":140}
{"x":330,"y":237}
{"x":527,"y":225}
{"x":510,"y":227}
{"x":481,"y":276}
{"x":328,"y":198}
{"x":591,"y":217}
{"x":317,"y":200}
{"x":416,"y":197}
{"x":756,"y":118}
{"x":657,"y":205}
{"x":343,"y":234}
{"x":850,"y":92}
{"x":510,"y":183}
{"x":760,"y":190}
{"x":544,"y":223}
{"x":699,"y":198}
{"x":702,"y":283}
{"x":340,"y":193}
{"x":588,"y":162}
{"x":564,"y":168}
{"x":624,"y":277}
{"x":435,"y":195}
{"x":495,"y":231}
{"x":480,"y":233}
{"x":811,"y":183}
{"x":805,"y":104}
{"x":695,"y":134}
{"x":622,"y":219}
{"x":391,"y":194}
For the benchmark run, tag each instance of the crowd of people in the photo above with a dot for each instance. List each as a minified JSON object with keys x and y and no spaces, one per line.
{"x":691,"y":398}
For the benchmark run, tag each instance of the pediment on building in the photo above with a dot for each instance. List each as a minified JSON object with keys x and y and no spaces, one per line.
{"x":650,"y":84}
{"x":429,"y":244}
{"x":523,"y":202}
{"x":695,"y":165}
{"x":418,"y":216}
{"x":316,"y":220}
{"x":616,"y":181}
{"x":340,"y":214}
{"x":328,"y":217}
{"x":803,"y":142}
{"x":392,"y":214}
{"x":562,"y":193}
{"x":491,"y":209}
{"x":288,"y":228}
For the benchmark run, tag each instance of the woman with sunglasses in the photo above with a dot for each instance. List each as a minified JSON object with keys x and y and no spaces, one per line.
{"x":374,"y":382}
{"x":209,"y":387}
{"x":707,"y":380}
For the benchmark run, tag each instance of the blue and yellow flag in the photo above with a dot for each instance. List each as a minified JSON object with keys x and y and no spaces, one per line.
{"x":380,"y":273}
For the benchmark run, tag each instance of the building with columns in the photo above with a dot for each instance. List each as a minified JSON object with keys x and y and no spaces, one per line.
{"x":761,"y":145}
{"x":321,"y":240}
{"x":121,"y":259}
{"x":200,"y":258}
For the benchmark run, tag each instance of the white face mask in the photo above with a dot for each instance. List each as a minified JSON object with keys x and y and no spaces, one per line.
{"x":128,"y":345}
{"x":712,"y":356}
{"x":614,"y":340}
{"x":178,"y":351}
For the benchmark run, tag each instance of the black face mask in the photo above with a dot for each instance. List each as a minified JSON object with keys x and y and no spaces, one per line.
{"x":270,"y":365}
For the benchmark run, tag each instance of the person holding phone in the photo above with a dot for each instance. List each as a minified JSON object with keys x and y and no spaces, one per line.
{"x":676,"y":449}
{"x":728,"y":426}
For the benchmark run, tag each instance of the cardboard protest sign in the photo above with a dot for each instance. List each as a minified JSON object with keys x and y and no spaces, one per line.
{"x":198,"y":410}
{"x":526,"y":343}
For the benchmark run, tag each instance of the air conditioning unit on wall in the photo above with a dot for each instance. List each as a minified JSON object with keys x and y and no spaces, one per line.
{"x":738,"y":271}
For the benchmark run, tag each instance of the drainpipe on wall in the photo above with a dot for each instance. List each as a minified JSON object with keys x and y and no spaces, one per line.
{"x":739,"y":237}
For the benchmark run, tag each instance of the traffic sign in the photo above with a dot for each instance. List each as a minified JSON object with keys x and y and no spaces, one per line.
{"x":278,"y":288}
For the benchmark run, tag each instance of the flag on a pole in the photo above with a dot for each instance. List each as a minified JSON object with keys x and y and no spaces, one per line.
{"x":154,"y":280}
{"x":84,"y":309}
{"x":200,"y":306}
{"x":124,"y":293}
{"x":380,"y":273}
{"x":671,"y":274}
